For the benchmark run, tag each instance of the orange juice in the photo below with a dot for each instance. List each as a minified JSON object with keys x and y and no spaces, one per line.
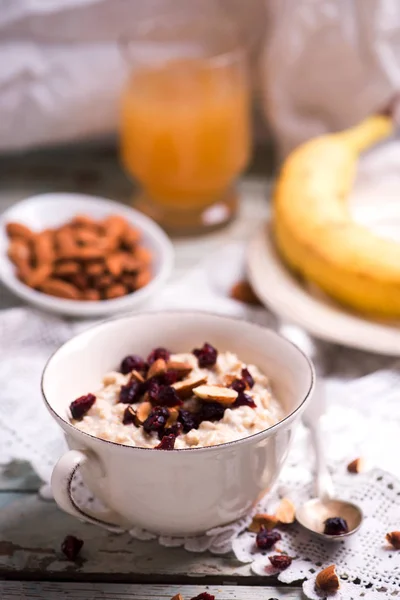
{"x":185,"y":130}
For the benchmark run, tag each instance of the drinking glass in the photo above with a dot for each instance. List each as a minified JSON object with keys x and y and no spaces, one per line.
{"x":185,"y":121}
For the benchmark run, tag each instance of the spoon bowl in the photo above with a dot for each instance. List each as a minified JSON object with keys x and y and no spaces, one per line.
{"x":313,"y":514}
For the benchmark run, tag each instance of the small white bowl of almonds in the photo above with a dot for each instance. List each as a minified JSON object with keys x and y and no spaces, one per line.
{"x":81,"y":255}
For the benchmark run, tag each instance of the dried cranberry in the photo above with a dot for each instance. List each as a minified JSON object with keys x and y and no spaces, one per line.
{"x":280,"y":561}
{"x":167,"y":396}
{"x":170,"y":377}
{"x":204,"y":596}
{"x":158,"y":353}
{"x":71,"y":547}
{"x":167,"y":442}
{"x":238,"y":385}
{"x":211,"y":411}
{"x":176,"y":429}
{"x":153,"y":390}
{"x":133,"y":362}
{"x":247,"y":378}
{"x":130,"y":393}
{"x":244,"y":400}
{"x":335,"y":526}
{"x":156,"y":419}
{"x":206,"y":356}
{"x":189,"y":420}
{"x":80,"y":406}
{"x":266,"y":539}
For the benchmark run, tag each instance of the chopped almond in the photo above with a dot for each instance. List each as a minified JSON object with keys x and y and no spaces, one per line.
{"x":263,"y":520}
{"x":327,"y":580}
{"x":356,"y":466}
{"x":286,"y":512}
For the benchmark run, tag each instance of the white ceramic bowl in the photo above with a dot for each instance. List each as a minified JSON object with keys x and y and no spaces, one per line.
{"x":52,"y":210}
{"x":177,"y":492}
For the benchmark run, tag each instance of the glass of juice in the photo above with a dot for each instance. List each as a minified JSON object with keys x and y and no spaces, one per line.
{"x":185,"y":121}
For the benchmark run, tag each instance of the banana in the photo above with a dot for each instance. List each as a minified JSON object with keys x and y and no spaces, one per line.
{"x":314,"y":232}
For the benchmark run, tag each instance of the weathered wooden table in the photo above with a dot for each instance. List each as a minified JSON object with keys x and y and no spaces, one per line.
{"x":112,"y":567}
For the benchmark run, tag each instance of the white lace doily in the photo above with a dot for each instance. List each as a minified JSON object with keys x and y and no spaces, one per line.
{"x":362,"y":419}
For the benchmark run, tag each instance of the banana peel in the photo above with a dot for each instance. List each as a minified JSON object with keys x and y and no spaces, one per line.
{"x":313,"y":229}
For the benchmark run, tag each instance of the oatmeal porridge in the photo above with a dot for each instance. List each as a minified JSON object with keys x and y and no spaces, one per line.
{"x":174,"y":401}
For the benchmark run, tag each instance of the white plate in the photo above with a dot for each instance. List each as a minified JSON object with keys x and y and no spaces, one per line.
{"x":52,"y":210}
{"x":309,"y":307}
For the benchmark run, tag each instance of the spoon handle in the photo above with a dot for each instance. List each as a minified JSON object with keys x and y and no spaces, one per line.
{"x":311,"y":419}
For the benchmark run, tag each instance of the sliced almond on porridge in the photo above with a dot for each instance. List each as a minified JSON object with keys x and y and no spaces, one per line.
{"x":185,"y":388}
{"x":214,"y":393}
{"x":263,"y":519}
{"x":229,"y":378}
{"x":173,"y":416}
{"x":137,"y":376}
{"x":143,"y":411}
{"x":158,"y":367}
{"x":182,"y":367}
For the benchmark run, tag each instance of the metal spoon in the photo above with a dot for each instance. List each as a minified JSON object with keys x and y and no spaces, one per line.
{"x":313,"y":513}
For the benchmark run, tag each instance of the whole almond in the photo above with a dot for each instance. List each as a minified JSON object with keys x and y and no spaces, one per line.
{"x":327,"y":580}
{"x":215,"y":393}
{"x":66,"y":268}
{"x":115,"y":291}
{"x":185,"y":388}
{"x":88,"y":253}
{"x":131,"y":264}
{"x":158,"y":367}
{"x":94,"y":268}
{"x":115,"y":263}
{"x":65,"y":244}
{"x":84,"y":221}
{"x":356,"y":466}
{"x":129,"y":281}
{"x":394,"y":539}
{"x":62,"y":289}
{"x":87,"y":237}
{"x":18,"y":230}
{"x":19,"y":252}
{"x":38,"y":275}
{"x":143,"y":278}
{"x":144,"y":256}
{"x":114,"y":225}
{"x":103,"y":281}
{"x":91,"y":295}
{"x":43,"y":248}
{"x":286,"y":512}
{"x":80,"y":281}
{"x":130,"y":237}
{"x":263,"y":520}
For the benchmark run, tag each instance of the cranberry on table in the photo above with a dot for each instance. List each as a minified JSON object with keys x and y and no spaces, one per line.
{"x":280,"y":561}
{"x":81,"y":406}
{"x":71,"y":547}
{"x":206,"y":356}
{"x":335,"y":526}
{"x":267,"y":538}
{"x":133,"y":362}
{"x":167,"y":442}
{"x":158,"y":353}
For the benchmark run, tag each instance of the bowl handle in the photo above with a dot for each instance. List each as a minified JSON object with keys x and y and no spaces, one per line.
{"x":61,"y":479}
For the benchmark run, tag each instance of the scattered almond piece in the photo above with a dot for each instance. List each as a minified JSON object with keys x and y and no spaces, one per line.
{"x":327,"y":580}
{"x":263,"y":519}
{"x":185,"y":388}
{"x":394,"y":539}
{"x":286,"y":512}
{"x":177,"y":597}
{"x":214,"y":393}
{"x":356,"y":466}
{"x":158,"y":367}
{"x":243,"y":292}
